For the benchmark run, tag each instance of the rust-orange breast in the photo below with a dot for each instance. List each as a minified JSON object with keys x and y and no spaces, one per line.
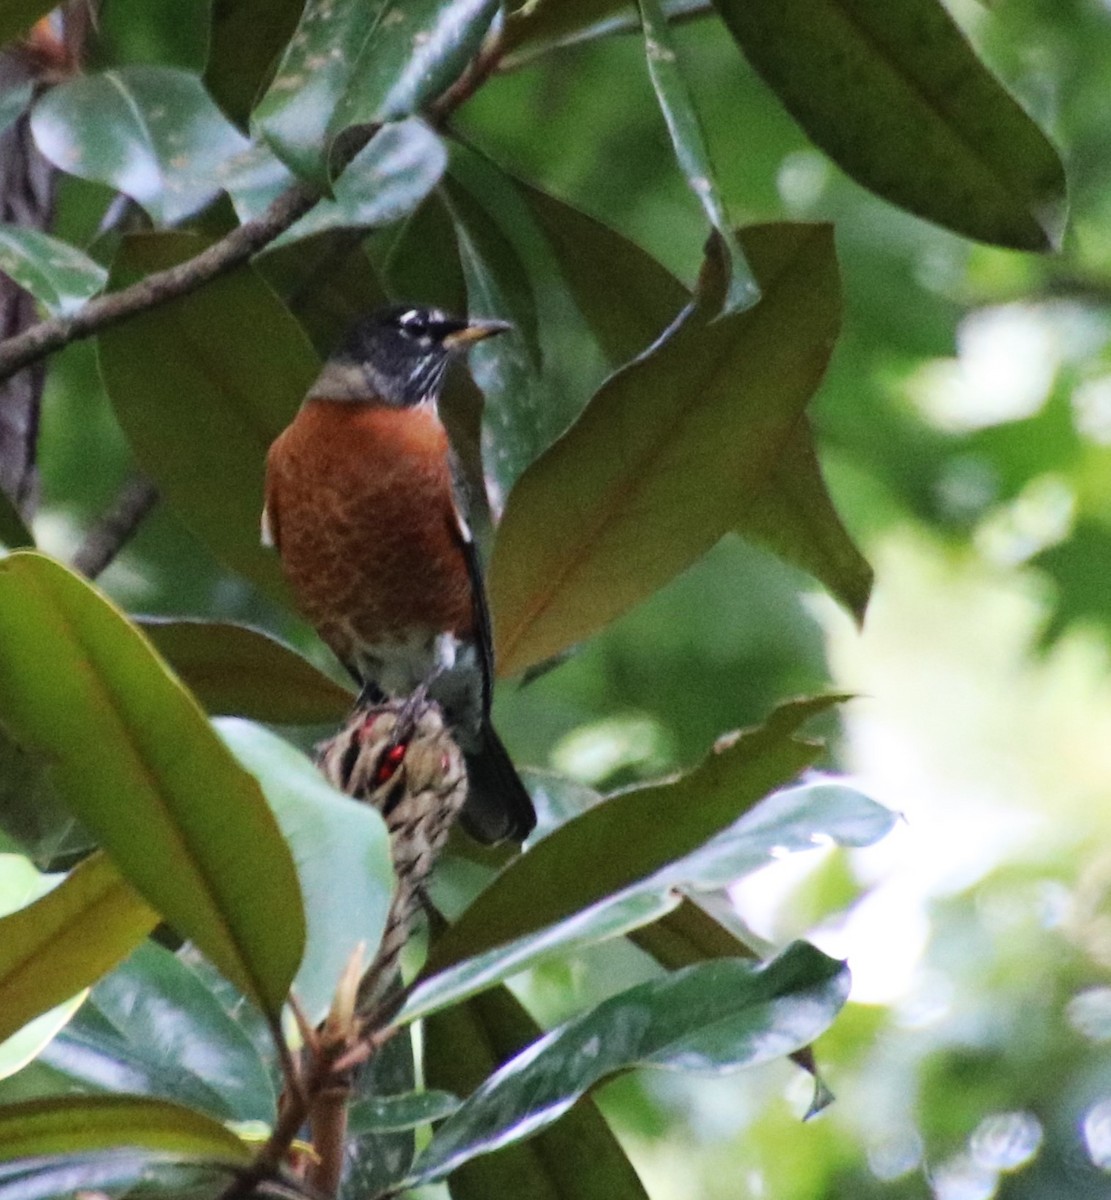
{"x":360,"y":504}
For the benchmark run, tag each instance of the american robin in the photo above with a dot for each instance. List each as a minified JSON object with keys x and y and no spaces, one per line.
{"x":364,"y":505}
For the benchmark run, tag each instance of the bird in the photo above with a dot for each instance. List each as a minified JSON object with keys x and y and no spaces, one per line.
{"x":365,"y":505}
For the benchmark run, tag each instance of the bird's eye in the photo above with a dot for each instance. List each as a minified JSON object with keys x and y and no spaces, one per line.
{"x":414,"y":322}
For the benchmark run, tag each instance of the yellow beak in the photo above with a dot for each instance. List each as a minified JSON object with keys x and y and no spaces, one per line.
{"x":476,"y":331}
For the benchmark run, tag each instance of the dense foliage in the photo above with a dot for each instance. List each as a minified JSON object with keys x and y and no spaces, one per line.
{"x":681,"y":235}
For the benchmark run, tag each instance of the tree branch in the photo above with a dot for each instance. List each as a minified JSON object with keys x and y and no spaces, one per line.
{"x":114,"y":530}
{"x":225,"y":255}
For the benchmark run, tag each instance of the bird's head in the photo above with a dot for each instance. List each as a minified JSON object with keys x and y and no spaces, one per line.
{"x":399,"y":355}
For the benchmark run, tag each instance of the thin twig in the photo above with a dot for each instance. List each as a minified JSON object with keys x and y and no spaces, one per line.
{"x":116,"y":527}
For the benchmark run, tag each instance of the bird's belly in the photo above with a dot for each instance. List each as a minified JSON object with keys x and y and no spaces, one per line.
{"x":368,"y":538}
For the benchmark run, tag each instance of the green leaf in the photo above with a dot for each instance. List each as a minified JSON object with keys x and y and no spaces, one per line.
{"x":895,"y":95}
{"x":342,"y":851}
{"x":384,"y":182}
{"x":246,"y":38}
{"x":58,"y":275}
{"x":152,"y":133}
{"x":550,"y":24}
{"x":787,"y":822}
{"x":577,"y":1159}
{"x":72,"y":1125}
{"x":794,"y":517}
{"x":117,"y":1172}
{"x":346,"y":67}
{"x":689,"y":935}
{"x":716,"y":1016}
{"x":703,"y":421}
{"x":691,"y":151}
{"x":66,"y":940}
{"x":630,"y":836}
{"x":138,"y":763}
{"x":200,"y":403}
{"x":626,"y":296}
{"x":17,"y":16}
{"x":155,"y":1025}
{"x":381,"y":1114}
{"x":498,"y":285}
{"x":13,"y":532}
{"x":237,"y":671}
{"x":609,"y":918}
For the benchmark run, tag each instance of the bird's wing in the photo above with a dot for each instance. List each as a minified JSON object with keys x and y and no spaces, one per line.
{"x":484,"y":632}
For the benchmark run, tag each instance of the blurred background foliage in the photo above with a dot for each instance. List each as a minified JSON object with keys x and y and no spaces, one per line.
{"x":964,"y":429}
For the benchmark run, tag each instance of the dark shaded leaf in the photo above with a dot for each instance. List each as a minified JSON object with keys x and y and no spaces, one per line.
{"x":47,"y":1178}
{"x":630,"y":836}
{"x":138,"y":763}
{"x":72,"y":1125}
{"x":152,"y":133}
{"x":67,"y":939}
{"x":703,"y":421}
{"x":57,"y":274}
{"x":246,"y":38}
{"x":869,"y":82}
{"x":342,"y":852}
{"x":691,"y":151}
{"x":716,"y":1016}
{"x":237,"y":671}
{"x":200,"y":403}
{"x":13,"y":532}
{"x":346,"y":67}
{"x":407,"y":1111}
{"x":576,"y":1159}
{"x":626,"y":296}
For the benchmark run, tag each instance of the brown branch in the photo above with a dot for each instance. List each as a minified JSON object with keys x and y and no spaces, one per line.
{"x":225,"y":255}
{"x":116,"y":527}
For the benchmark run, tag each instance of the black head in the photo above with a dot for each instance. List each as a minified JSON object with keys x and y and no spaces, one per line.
{"x":403,"y":352}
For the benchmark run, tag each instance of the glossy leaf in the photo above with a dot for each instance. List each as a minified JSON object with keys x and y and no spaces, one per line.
{"x":630,"y":836}
{"x":67,"y":939}
{"x":116,"y":1172}
{"x":691,"y":151}
{"x":407,"y":1111}
{"x":71,"y":1125}
{"x":345,"y":67}
{"x":609,"y":918}
{"x":237,"y":671}
{"x":717,"y":1016}
{"x":534,"y":29}
{"x":786,"y":822}
{"x":201,"y":403}
{"x":58,"y":275}
{"x":384,"y":182}
{"x":150,"y":132}
{"x":576,"y":1159}
{"x":167,"y":1019}
{"x":342,"y":851}
{"x":689,"y":935}
{"x":247,"y":37}
{"x":498,"y":285}
{"x":703,"y":421}
{"x":136,"y":760}
{"x":17,"y":16}
{"x":869,"y":82}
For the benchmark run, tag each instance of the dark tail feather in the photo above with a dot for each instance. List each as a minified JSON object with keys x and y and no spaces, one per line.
{"x":497,"y":806}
